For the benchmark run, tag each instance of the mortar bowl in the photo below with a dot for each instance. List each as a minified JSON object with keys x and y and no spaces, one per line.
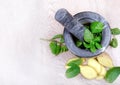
{"x":88,"y":17}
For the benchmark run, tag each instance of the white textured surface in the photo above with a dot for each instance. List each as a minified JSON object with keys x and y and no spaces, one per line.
{"x":24,"y":59}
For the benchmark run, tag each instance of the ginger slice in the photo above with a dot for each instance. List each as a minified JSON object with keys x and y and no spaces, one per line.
{"x":105,"y":60}
{"x":88,"y":72}
{"x":94,"y":64}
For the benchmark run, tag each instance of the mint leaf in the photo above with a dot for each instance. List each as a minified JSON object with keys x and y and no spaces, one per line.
{"x":93,"y":49}
{"x":98,"y":46}
{"x":86,"y":45}
{"x":97,"y":39}
{"x":115,"y":31}
{"x":77,"y":62}
{"x":57,"y":36}
{"x":58,"y":49}
{"x":88,"y":36}
{"x":64,"y":48}
{"x":96,"y":27}
{"x":78,"y":43}
{"x":62,"y":40}
{"x":114,"y":43}
{"x":112,"y":74}
{"x":73,"y":71}
{"x":53,"y":46}
{"x":55,"y":49}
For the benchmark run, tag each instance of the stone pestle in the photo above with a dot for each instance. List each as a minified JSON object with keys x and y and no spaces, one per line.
{"x":70,"y":23}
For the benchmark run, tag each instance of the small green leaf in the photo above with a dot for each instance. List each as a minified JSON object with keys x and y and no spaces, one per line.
{"x":112,"y":74}
{"x":53,"y":46}
{"x":96,"y":27}
{"x":88,"y":36}
{"x":58,"y":49}
{"x":114,"y":43}
{"x":73,"y":71}
{"x":97,"y":39}
{"x":62,"y":40}
{"x":98,"y":46}
{"x":57,"y":36}
{"x":86,"y":45}
{"x":55,"y":49}
{"x":64,"y":48}
{"x":115,"y":31}
{"x":78,"y":43}
{"x":93,"y":49}
{"x":77,"y":62}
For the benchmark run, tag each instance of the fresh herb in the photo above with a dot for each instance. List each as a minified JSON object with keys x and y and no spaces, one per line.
{"x":93,"y":49}
{"x":55,"y":48}
{"x":97,"y":39}
{"x":57,"y":44}
{"x":112,"y":74}
{"x":88,"y":36}
{"x":73,"y":71}
{"x":58,"y":36}
{"x":86,"y":45}
{"x":114,"y":43}
{"x":98,"y":46}
{"x":78,"y":43}
{"x":93,"y":36}
{"x":96,"y":27}
{"x":77,"y":62}
{"x":115,"y":31}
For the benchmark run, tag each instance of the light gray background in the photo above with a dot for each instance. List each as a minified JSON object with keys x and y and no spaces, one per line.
{"x":25,"y":59}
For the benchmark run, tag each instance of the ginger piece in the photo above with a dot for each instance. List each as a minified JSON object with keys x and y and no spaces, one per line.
{"x":105,"y":60}
{"x":88,"y":72}
{"x":94,"y":64}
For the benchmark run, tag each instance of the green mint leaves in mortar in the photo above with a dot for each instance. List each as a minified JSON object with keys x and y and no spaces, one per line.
{"x":112,"y":74}
{"x":92,"y":36}
{"x":96,"y":27}
{"x":88,"y":36}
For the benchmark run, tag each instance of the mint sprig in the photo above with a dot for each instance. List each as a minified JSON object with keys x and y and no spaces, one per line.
{"x":57,"y":44}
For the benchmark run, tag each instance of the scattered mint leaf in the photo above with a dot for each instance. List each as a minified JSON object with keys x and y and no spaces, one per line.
{"x":53,"y":46}
{"x":96,"y":27}
{"x":62,"y":40}
{"x":64,"y":48}
{"x":98,"y":46}
{"x":58,"y":49}
{"x":112,"y":74}
{"x":57,"y":44}
{"x":114,"y":43}
{"x":57,"y":36}
{"x":115,"y":31}
{"x":73,"y":71}
{"x":77,"y":62}
{"x":88,"y":36}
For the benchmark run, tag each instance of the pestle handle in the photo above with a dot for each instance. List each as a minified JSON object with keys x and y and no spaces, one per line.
{"x":63,"y":16}
{"x":71,"y":24}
